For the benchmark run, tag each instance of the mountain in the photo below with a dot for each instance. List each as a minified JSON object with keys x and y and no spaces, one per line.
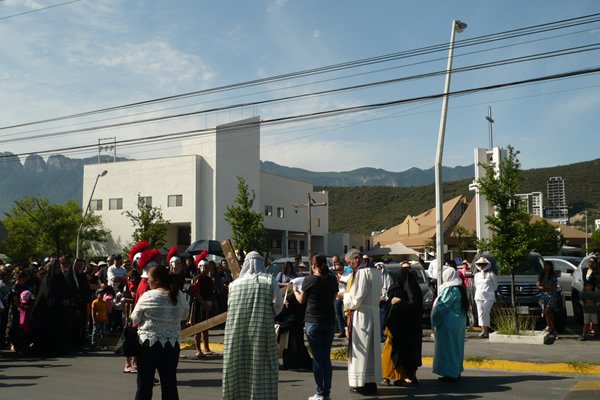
{"x":369,"y":176}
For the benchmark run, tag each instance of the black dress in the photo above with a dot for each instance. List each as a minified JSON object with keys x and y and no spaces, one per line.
{"x":405,"y":323}
{"x":291,"y":320}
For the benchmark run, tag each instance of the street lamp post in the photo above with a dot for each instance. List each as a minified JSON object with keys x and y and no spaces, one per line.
{"x":586,"y":233}
{"x":310,"y":203}
{"x":103,"y":173}
{"x":457,"y":26}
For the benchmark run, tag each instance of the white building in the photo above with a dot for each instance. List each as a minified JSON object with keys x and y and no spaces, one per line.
{"x":557,"y":200}
{"x":533,"y":203}
{"x":194,"y":191}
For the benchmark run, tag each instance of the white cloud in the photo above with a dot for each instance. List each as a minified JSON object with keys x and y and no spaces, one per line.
{"x":317,"y":34}
{"x":23,"y":3}
{"x":280,"y":3}
{"x":156,"y":59}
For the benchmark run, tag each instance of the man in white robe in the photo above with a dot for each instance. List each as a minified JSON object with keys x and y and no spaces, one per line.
{"x":362,"y":299}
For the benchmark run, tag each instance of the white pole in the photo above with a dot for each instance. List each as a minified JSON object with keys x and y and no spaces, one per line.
{"x":439,"y":228}
{"x":86,"y":211}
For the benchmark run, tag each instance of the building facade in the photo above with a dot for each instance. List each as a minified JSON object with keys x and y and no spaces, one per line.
{"x":193,"y":191}
{"x":557,"y":209}
{"x":533,"y":203}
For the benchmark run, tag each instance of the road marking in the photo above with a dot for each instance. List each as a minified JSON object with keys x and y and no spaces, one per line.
{"x":586,"y":385}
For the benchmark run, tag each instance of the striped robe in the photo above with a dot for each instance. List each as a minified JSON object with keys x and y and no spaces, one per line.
{"x":250,"y":364}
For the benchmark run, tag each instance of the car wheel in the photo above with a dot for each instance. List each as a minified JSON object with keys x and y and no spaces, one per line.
{"x":577,"y":307}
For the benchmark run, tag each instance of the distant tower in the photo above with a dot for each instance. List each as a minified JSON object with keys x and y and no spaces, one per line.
{"x":532,"y":203}
{"x":557,"y":201}
{"x":482,"y":208}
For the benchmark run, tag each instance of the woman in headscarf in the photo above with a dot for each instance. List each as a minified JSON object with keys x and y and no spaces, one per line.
{"x":448,"y":319}
{"x":250,"y":365}
{"x":384,"y":301}
{"x":49,"y":311}
{"x":401,"y":355}
{"x":486,"y":285}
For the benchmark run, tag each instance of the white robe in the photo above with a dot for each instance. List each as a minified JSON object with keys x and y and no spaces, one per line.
{"x":364,"y":363}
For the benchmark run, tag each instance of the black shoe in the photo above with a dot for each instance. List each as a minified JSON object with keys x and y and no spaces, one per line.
{"x":447,"y":379}
{"x":370,"y":389}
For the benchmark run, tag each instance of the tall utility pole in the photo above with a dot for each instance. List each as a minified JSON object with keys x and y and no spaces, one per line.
{"x":310,"y":203}
{"x":490,"y":122}
{"x":586,"y":233}
{"x":457,"y":26}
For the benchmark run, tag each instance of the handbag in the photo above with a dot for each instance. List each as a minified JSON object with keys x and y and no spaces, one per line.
{"x":129,"y":342}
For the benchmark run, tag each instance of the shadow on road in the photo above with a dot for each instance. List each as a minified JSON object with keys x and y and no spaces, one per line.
{"x":469,"y":387}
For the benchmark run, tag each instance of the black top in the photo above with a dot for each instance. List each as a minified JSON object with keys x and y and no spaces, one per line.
{"x":320,"y":293}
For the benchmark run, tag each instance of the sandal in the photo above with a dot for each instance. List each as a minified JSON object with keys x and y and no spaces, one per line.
{"x":199,"y":356}
{"x":385,"y":382}
{"x":209,"y":353}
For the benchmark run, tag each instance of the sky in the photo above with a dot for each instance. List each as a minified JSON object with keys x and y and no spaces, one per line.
{"x":89,"y":55}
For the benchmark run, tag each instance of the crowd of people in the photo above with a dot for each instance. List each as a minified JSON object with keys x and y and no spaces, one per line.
{"x":58,"y":306}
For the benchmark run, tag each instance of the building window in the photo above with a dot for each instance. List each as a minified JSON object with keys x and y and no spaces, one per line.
{"x":280,"y":212}
{"x":268,"y":211}
{"x":115,"y":204}
{"x":96,"y":205}
{"x":317,"y":222}
{"x":147,"y":200}
{"x":175,"y":200}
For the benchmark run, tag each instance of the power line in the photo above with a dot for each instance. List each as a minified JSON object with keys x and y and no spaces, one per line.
{"x":324,"y":114}
{"x":534,"y":29}
{"x":39,"y":9}
{"x":533,"y":57}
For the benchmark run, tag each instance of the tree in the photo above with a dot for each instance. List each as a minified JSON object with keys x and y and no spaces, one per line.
{"x":37,"y":228}
{"x":248,"y":231}
{"x":463,"y":237}
{"x":594,"y":241}
{"x":510,"y":242}
{"x":545,"y":238}
{"x":149,"y":224}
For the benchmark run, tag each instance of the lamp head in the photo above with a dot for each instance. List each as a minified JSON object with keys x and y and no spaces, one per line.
{"x":103,"y":173}
{"x":459,"y":26}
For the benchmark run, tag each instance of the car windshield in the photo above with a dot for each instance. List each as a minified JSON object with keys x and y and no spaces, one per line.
{"x":533,"y":266}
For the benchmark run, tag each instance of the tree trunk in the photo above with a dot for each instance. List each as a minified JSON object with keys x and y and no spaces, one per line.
{"x":514,"y":303}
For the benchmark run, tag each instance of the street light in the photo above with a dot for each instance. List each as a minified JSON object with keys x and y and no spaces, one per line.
{"x":457,"y":26}
{"x":101,"y":174}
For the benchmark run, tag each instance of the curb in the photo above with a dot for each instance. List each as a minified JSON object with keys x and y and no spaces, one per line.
{"x":489,"y":364}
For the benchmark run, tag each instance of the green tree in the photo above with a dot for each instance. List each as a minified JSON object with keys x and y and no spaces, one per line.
{"x":149,"y":224}
{"x":544,"y":238}
{"x":510,"y":242}
{"x":594,"y":241}
{"x":37,"y":228}
{"x":463,"y":237}
{"x":248,"y":231}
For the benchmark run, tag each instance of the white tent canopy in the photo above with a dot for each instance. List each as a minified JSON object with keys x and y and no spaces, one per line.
{"x":396,"y":248}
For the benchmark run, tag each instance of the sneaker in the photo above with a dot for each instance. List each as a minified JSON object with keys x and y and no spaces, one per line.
{"x":316,"y":397}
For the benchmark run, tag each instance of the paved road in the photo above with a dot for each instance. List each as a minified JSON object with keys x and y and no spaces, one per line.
{"x":98,"y":376}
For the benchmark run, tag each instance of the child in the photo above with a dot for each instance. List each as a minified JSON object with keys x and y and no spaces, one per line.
{"x":100,"y":318}
{"x":23,"y":339}
{"x":589,"y":301}
{"x":109,"y":298}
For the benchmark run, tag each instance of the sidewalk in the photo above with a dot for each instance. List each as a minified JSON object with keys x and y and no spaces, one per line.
{"x":566,"y":355}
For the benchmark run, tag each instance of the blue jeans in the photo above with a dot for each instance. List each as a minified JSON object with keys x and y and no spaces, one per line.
{"x":320,"y":339}
{"x":99,"y":329}
{"x":163,"y":359}
{"x":339,"y":316}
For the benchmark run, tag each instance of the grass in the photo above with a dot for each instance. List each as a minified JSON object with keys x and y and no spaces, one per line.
{"x":505,"y":325}
{"x":340,"y":353}
{"x":579,"y":366}
{"x":477,"y":361}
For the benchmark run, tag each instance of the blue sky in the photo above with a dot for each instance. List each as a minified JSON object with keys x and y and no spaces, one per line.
{"x":93,"y":54}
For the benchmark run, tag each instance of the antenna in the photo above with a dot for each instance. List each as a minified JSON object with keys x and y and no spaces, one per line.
{"x":490,"y":122}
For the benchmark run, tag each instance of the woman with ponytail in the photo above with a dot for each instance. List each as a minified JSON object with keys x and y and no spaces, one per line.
{"x":319,"y":291}
{"x":159,"y":313}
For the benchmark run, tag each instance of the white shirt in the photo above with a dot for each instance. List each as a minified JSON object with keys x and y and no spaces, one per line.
{"x":115,"y":272}
{"x":486,"y":285}
{"x":432,"y":271}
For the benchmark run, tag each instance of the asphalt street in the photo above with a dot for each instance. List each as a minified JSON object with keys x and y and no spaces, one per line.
{"x":98,"y":376}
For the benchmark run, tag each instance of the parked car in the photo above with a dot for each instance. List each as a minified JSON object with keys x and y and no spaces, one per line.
{"x":577,"y":288}
{"x":424,"y":283}
{"x":567,"y":266}
{"x":277,"y":265}
{"x":527,"y":295}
